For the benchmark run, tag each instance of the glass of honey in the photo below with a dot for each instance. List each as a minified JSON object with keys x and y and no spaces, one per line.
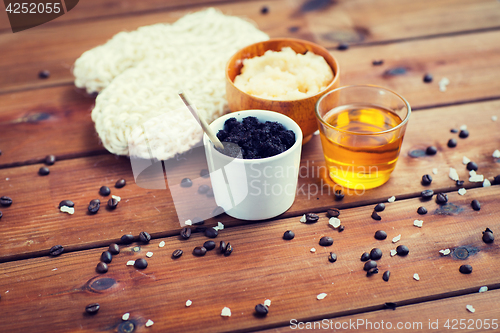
{"x":361,"y":129}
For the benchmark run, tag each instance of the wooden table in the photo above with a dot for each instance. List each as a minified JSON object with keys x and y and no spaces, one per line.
{"x":456,"y":39}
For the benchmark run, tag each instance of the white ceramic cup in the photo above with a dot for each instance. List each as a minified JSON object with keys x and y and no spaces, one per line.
{"x":255,"y":189}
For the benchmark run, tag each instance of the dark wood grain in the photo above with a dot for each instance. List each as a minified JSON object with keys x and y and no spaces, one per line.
{"x":42,"y":291}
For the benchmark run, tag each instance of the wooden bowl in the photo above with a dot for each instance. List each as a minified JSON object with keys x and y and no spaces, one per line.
{"x":300,"y":110}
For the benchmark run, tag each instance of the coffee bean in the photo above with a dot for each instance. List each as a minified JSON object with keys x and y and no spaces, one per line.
{"x":372,"y":271}
{"x":199,"y":251}
{"x":209,"y":245}
{"x":101,"y":267}
{"x":43,"y":171}
{"x":5,"y":201}
{"x":114,"y":248}
{"x":177,"y":253}
{"x":217,"y":211}
{"x":365,"y":256}
{"x":326,"y":241}
{"x":120,"y":183}
{"x":332,"y":257}
{"x":56,"y":250}
{"x":140,"y":263}
{"x":198,"y":221}
{"x":112,"y":203}
{"x":426,"y":180}
{"x":496,"y":180}
{"x":144,"y":237}
{"x":377,"y":62}
{"x":43,"y":74}
{"x":459,"y":183}
{"x":475,"y":205}
{"x":67,"y":203}
{"x":380,"y":235}
{"x":431,"y":150}
{"x":441,"y":198}
{"x":339,"y":195}
{"x":341,"y":228}
{"x":465,"y":269}
{"x":127,"y":239}
{"x":402,"y":250}
{"x":488,"y":230}
{"x":379,"y":208}
{"x":49,"y":160}
{"x":311,"y":218}
{"x":222,"y":247}
{"x":203,"y":189}
{"x":369,"y":265}
{"x":211,"y":233}
{"x":427,"y":194}
{"x":428,"y":78}
{"x":229,"y":249}
{"x":261,"y":309}
{"x":106,"y":257}
{"x":342,"y":46}
{"x":92,"y":308}
{"x":422,"y":210}
{"x":288,"y":235}
{"x":1,"y":214}
{"x":204,"y":173}
{"x":94,"y":206}
{"x":104,"y":190}
{"x":264,"y":10}
{"x":386,"y":276}
{"x":210,"y":193}
{"x":472,"y":166}
{"x":454,"y":130}
{"x":463,"y":134}
{"x":375,"y":254}
{"x":333,"y":212}
{"x":186,"y":233}
{"x":488,"y":237}
{"x":293,"y":28}
{"x":186,"y":182}
{"x":375,"y":216}
{"x":452,"y":143}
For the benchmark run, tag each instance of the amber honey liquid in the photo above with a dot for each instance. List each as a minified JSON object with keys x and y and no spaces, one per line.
{"x":357,"y":154}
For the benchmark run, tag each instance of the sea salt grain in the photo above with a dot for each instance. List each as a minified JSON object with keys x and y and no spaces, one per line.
{"x":396,"y":239}
{"x":494,"y":118}
{"x":66,"y":209}
{"x":476,"y":179}
{"x":267,"y":302}
{"x":334,"y":222}
{"x":470,"y":308}
{"x":472,"y":173}
{"x":130,"y":263}
{"x":463,"y":127}
{"x":496,"y":154}
{"x":220,"y":226}
{"x":303,"y":219}
{"x":321,"y":296}
{"x":188,"y":222}
{"x":462,"y":191}
{"x":126,"y":316}
{"x":483,"y":289}
{"x":435,"y":171}
{"x":391,"y":199}
{"x":393,"y":253}
{"x":418,"y":223}
{"x":445,"y":252}
{"x":453,"y":174}
{"x":416,"y":277}
{"x":313,"y":250}
{"x":116,"y":197}
{"x":149,"y":254}
{"x":149,"y":323}
{"x":162,"y":244}
{"x":226,"y":312}
{"x":443,"y":83}
{"x":189,"y":302}
{"x":486,"y":183}
{"x":465,"y":160}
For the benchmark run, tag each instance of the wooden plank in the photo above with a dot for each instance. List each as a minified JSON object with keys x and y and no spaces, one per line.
{"x":45,"y":290}
{"x":440,"y":315}
{"x":35,"y":230}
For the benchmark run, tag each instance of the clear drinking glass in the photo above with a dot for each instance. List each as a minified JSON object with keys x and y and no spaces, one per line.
{"x":361,"y":129}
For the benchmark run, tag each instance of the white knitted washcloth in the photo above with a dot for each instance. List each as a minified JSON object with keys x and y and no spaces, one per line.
{"x":138,"y":76}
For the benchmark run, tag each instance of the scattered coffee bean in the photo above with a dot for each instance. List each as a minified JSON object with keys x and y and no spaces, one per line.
{"x":431,"y":150}
{"x":375,"y":254}
{"x":261,"y":310}
{"x":210,"y":193}
{"x":104,"y":190}
{"x":377,"y":62}
{"x":140,"y":263}
{"x":112,"y":203}
{"x":402,"y":250}
{"x":144,"y":237}
{"x":488,"y":230}
{"x":101,"y":267}
{"x":222,"y":247}
{"x":217,"y":211}
{"x":332,"y":257}
{"x":475,"y":205}
{"x":229,"y":249}
{"x":427,"y":194}
{"x":472,"y":166}
{"x":204,"y":173}
{"x":369,"y":265}
{"x":94,"y":206}
{"x":209,"y":245}
{"x":211,"y":233}
{"x":386,"y":276}
{"x":56,"y":250}
{"x":288,"y":235}
{"x":365,"y":256}
{"x":264,"y":10}
{"x":488,"y":237}
{"x":465,"y":269}
{"x":120,"y":183}
{"x":342,"y":46}
{"x":5,"y":201}
{"x":496,"y":180}
{"x":106,"y":257}
{"x":459,"y":183}
{"x":114,"y":248}
{"x":49,"y":160}
{"x":92,"y":308}
{"x":454,"y":130}
{"x":379,"y":208}
{"x":452,"y":143}
{"x":375,"y":216}
{"x":44,"y":74}
{"x":311,"y":218}
{"x":339,"y":195}
{"x":428,"y":78}
{"x":1,"y":214}
{"x":463,"y":134}
{"x":43,"y":171}
{"x":198,"y":220}
{"x":186,"y":182}
{"x":203,"y":189}
{"x":67,"y":203}
{"x":441,"y":198}
{"x":199,"y":251}
{"x":186,"y":233}
{"x":426,"y":180}
{"x":333,"y":212}
{"x":293,"y":29}
{"x":372,"y":271}
{"x":200,"y":229}
{"x":422,"y":210}
{"x":177,"y":253}
{"x":341,"y":228}
{"x":380,"y":235}
{"x":326,"y":241}
{"x":127,"y":239}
